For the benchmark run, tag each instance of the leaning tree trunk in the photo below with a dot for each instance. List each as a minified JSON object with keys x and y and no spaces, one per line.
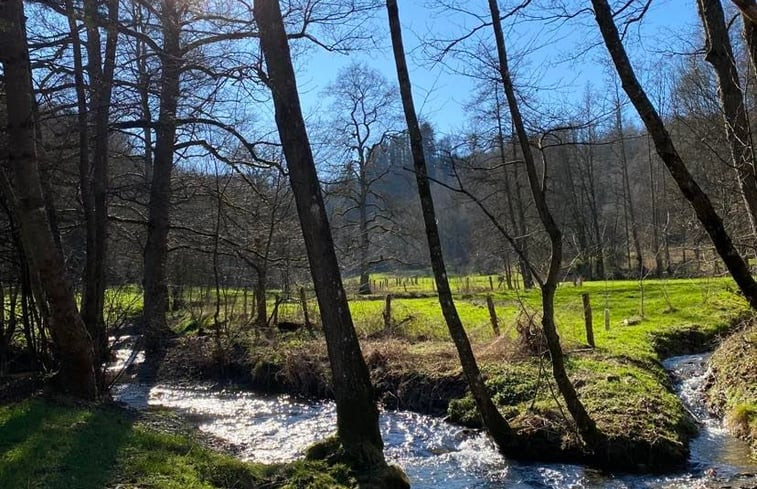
{"x":699,"y":201}
{"x":357,"y":415}
{"x":72,"y":342}
{"x":585,"y":424}
{"x":156,"y":248}
{"x":495,"y":424}
{"x":749,"y":18}
{"x":720,"y":56}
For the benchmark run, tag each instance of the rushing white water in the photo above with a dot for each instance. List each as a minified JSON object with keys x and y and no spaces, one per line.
{"x":124,"y":354}
{"x":435,"y":454}
{"x":714,"y":447}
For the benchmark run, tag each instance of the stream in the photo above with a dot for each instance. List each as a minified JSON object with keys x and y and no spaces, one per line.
{"x":434,"y":453}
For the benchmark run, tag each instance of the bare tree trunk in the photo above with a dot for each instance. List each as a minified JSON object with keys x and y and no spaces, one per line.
{"x":143,"y":88}
{"x":357,"y":416}
{"x":737,"y":130}
{"x":585,"y":424}
{"x":495,"y":424}
{"x":749,"y":18}
{"x":525,"y":269}
{"x":659,"y":266}
{"x":217,"y":326}
{"x":516,"y":222}
{"x":85,"y":181}
{"x":93,"y":174}
{"x":156,"y":248}
{"x":627,"y":191}
{"x":72,"y":342}
{"x":578,"y":214}
{"x":261,"y":306}
{"x":365,"y":278}
{"x":750,"y":37}
{"x":591,"y":196}
{"x":699,"y":201}
{"x":101,"y":82}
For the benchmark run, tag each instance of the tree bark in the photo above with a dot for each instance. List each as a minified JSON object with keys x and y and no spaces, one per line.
{"x":72,"y":342}
{"x":100,"y":71}
{"x":748,"y":9}
{"x":699,"y":201}
{"x":495,"y":424}
{"x":659,"y":265}
{"x":584,"y":423}
{"x":720,"y":56}
{"x":357,"y":416}
{"x":261,"y":306}
{"x":365,"y":276}
{"x":156,"y":247}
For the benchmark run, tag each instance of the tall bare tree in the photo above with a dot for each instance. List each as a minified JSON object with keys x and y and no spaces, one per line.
{"x":93,"y":118}
{"x":357,"y":416}
{"x":73,"y":343}
{"x":737,"y":128}
{"x":495,"y":424}
{"x":156,"y":248}
{"x":667,"y":151}
{"x":363,"y":106}
{"x":628,"y":203}
{"x":586,"y":425}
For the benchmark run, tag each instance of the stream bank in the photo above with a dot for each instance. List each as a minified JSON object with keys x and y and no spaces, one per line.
{"x":732,"y":384}
{"x":434,"y":453}
{"x":631,"y":398}
{"x":57,"y":443}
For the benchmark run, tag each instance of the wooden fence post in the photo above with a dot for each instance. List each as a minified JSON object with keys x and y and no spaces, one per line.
{"x":588,"y":319}
{"x":493,"y":315}
{"x":275,"y":314}
{"x":304,"y":302}
{"x":491,"y":283}
{"x":387,"y":314}
{"x":607,"y":319}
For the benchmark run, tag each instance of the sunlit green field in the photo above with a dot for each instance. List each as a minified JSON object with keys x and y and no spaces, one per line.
{"x":651,"y":307}
{"x":667,"y":305}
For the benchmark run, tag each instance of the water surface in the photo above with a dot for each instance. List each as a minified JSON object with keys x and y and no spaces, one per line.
{"x":434,"y":453}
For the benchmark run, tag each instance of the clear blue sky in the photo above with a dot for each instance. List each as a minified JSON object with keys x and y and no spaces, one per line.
{"x":548,"y":69}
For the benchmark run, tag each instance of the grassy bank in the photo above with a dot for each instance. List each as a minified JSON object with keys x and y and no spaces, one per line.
{"x":414,"y":365}
{"x":732,"y":392}
{"x":51,"y":445}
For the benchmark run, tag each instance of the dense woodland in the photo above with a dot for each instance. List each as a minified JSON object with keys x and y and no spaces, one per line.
{"x":162,"y":146}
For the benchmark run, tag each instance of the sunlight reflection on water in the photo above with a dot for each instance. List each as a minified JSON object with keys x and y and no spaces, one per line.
{"x":435,"y":454}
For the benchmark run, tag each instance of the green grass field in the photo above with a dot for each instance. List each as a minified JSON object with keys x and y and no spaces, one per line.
{"x":621,"y":381}
{"x":667,"y":304}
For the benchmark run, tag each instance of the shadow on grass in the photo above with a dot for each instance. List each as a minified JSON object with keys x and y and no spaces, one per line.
{"x":59,"y":447}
